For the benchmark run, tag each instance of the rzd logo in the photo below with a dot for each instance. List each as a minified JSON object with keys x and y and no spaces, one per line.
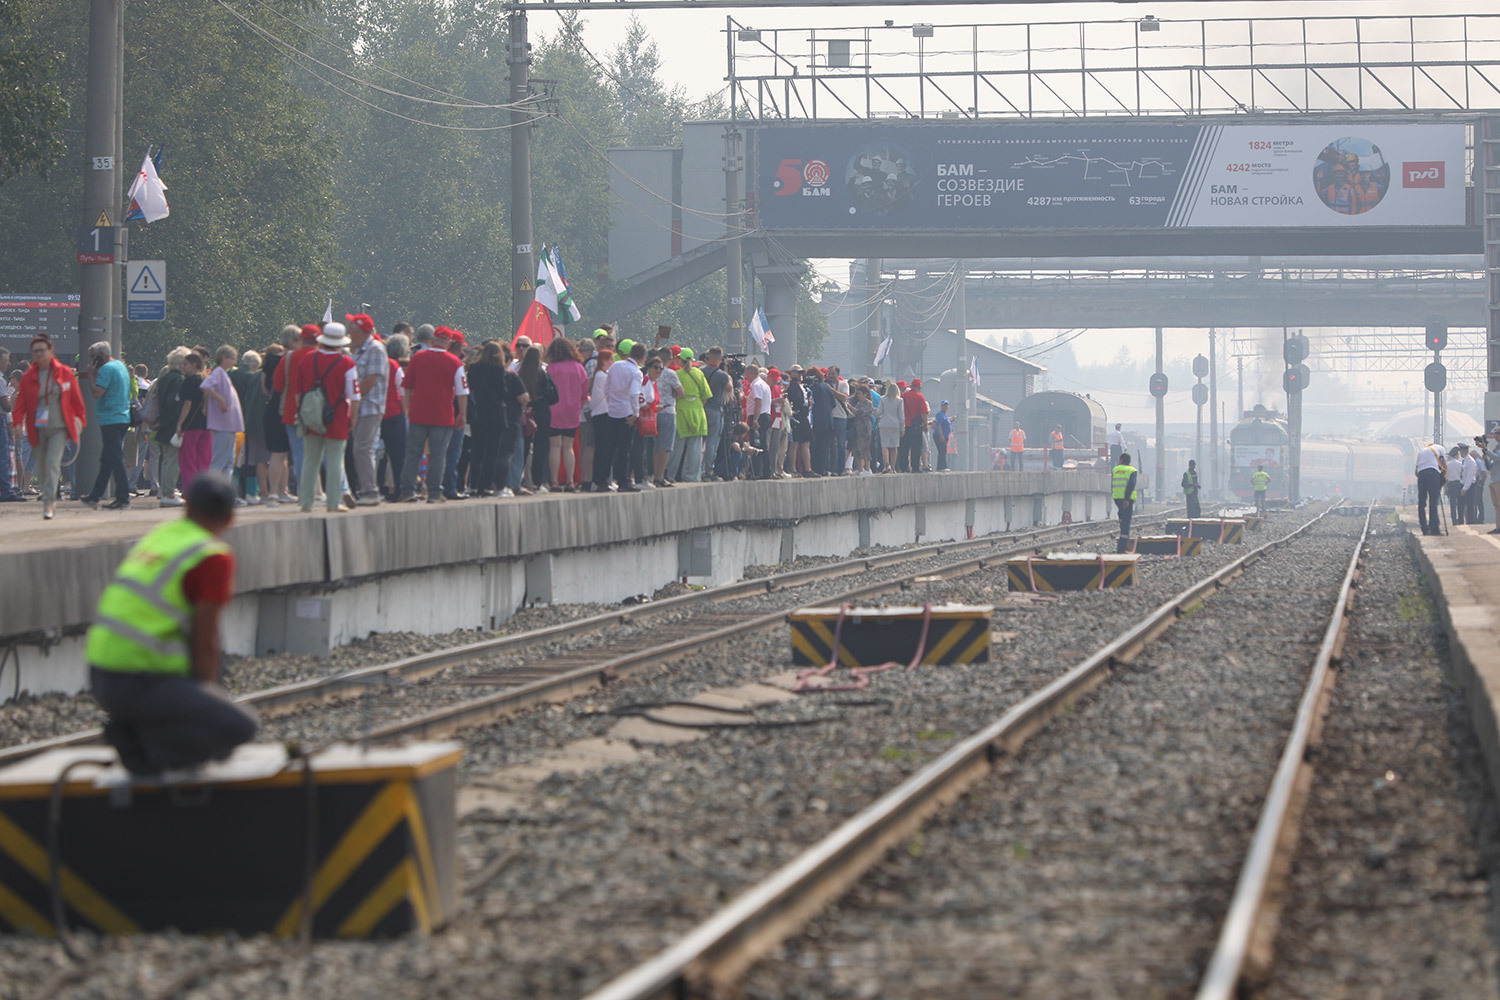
{"x":1424,"y":174}
{"x":810,"y":178}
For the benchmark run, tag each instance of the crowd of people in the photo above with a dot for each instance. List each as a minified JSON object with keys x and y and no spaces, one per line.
{"x":1460,"y":472}
{"x":336,"y":414}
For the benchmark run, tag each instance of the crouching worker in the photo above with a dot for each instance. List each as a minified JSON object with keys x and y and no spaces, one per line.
{"x":153,"y":650}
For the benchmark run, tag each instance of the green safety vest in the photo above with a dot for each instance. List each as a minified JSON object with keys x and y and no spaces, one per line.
{"x":1260,"y":479}
{"x":1122,"y":474}
{"x":144,"y":617}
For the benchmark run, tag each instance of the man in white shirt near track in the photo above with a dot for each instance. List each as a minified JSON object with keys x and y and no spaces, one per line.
{"x":758,"y":416}
{"x":1116,"y":445}
{"x":621,"y":393}
{"x":1432,"y":464}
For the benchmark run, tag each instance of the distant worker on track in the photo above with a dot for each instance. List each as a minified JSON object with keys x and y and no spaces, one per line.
{"x":1057,"y":447}
{"x":1017,"y":448}
{"x":1123,"y":480}
{"x":1432,"y":466}
{"x":1190,"y":489}
{"x":153,"y":650}
{"x":1260,"y":479}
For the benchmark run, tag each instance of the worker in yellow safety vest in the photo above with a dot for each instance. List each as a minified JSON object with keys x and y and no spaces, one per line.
{"x":1123,"y":490}
{"x":1259,"y":480}
{"x":153,"y":650}
{"x":1057,"y":447}
{"x":1017,"y":447}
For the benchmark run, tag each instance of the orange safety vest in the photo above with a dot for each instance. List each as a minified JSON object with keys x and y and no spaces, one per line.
{"x":1018,"y":440}
{"x":1057,"y":440}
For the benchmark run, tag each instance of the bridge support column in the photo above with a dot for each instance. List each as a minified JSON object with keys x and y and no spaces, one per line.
{"x":783,"y":286}
{"x":1488,"y":155}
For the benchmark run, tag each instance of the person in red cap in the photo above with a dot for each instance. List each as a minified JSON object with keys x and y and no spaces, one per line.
{"x":307,"y":344}
{"x":915,"y":408}
{"x":373,"y":369}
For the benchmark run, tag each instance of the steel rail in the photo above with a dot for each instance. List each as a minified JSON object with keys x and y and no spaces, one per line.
{"x":718,"y":950}
{"x":357,"y":683}
{"x":1243,"y":952}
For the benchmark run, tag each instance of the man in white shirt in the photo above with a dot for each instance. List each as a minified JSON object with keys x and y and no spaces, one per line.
{"x":758,"y":410}
{"x":1454,"y":486}
{"x":1116,"y":445}
{"x":1431,"y":467}
{"x":1469,"y":480}
{"x":612,"y":443}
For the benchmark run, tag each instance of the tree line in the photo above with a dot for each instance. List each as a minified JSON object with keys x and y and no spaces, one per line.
{"x":356,"y":148}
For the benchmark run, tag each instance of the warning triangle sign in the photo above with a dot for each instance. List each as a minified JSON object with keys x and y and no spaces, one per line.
{"x":526,"y":285}
{"x":735,"y":325}
{"x":103,"y":219}
{"x":146,"y":283}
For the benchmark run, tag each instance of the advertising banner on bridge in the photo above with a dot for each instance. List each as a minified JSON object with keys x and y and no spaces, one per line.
{"x":1006,"y":176}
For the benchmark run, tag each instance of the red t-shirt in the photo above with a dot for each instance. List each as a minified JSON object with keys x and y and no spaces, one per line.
{"x":278,"y":383}
{"x":333,"y":373}
{"x":434,"y":378}
{"x":916,"y":406}
{"x":212,"y":580}
{"x":393,"y":391}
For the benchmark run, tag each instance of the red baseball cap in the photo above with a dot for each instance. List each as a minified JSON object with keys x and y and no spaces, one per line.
{"x":312,"y":331}
{"x":916,"y":383}
{"x":901,"y":384}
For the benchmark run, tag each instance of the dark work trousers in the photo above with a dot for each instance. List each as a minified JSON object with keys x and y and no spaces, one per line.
{"x":450,"y":461}
{"x":1194,"y":507}
{"x":1455,"y":502}
{"x":760,"y":437}
{"x":840,"y":446}
{"x":909,"y":458}
{"x":604,"y":449}
{"x":1057,"y":458}
{"x":485,"y":442}
{"x":1115,"y":451}
{"x":393,"y":433}
{"x":112,"y":463}
{"x":1125,"y":508}
{"x":939,"y":452}
{"x":541,"y":452}
{"x":1429,"y":488}
{"x":1260,"y":501}
{"x":625,"y":438}
{"x":642,"y":451}
{"x":158,"y":721}
{"x":1475,"y":496}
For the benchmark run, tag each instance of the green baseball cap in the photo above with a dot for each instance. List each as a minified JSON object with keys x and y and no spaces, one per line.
{"x":687,"y":354}
{"x":626,"y":346}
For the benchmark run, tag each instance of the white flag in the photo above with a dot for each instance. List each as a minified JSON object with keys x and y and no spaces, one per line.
{"x":760,"y":330}
{"x":552,"y":292}
{"x":328,"y":313}
{"x":974,"y":370}
{"x":882,"y":351}
{"x":148,"y":193}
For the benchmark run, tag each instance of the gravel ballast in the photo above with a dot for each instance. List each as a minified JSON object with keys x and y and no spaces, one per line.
{"x":598,"y":870}
{"x":1099,"y":860}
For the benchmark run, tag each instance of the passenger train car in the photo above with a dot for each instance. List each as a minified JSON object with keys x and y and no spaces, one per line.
{"x":1330,"y":466}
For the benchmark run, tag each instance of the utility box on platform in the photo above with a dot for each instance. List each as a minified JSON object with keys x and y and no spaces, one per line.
{"x":867,"y":637}
{"x":227,"y":850}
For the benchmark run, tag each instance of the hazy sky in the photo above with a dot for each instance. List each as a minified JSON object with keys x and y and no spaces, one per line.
{"x":692,"y":48}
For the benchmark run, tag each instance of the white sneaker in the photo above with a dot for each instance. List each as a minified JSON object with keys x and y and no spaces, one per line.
{"x":646,"y":484}
{"x":507,"y":492}
{"x":254,"y":501}
{"x":544,"y":489}
{"x":285,"y":498}
{"x":269,"y":501}
{"x":171,"y":502}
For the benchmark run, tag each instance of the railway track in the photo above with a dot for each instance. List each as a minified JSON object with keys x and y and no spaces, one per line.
{"x":714,"y":955}
{"x":566,"y":674}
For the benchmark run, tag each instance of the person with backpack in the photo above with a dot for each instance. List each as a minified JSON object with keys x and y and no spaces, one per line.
{"x":324,"y":384}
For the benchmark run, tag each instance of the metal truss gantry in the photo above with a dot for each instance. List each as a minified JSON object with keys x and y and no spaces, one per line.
{"x":1442,"y":64}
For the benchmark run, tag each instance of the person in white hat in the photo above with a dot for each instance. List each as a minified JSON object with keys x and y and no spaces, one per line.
{"x":325,"y":434}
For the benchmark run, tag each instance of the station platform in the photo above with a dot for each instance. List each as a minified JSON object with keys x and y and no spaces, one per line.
{"x":1462,"y":569}
{"x":307,"y":583}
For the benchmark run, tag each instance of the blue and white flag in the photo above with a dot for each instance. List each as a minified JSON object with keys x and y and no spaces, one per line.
{"x":760,"y":330}
{"x":882,"y":351}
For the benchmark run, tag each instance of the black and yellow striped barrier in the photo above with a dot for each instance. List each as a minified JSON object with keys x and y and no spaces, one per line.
{"x":1166,"y":545}
{"x":868,"y":637}
{"x":228,"y":851}
{"x":1044,"y":574}
{"x":1229,"y":530}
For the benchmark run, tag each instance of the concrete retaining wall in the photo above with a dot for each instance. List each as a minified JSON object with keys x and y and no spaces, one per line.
{"x":309,"y":583}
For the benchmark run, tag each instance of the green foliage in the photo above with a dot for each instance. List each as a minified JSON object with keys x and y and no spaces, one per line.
{"x":32,"y":107}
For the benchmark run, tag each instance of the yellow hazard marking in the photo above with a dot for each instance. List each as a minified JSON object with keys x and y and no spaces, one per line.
{"x":526,"y":285}
{"x":103,"y":219}
{"x":80,"y":895}
{"x":23,"y":919}
{"x":400,"y":885}
{"x":955,"y":632}
{"x":735,"y":325}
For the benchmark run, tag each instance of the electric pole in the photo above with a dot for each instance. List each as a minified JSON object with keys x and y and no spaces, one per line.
{"x":966,"y":458}
{"x":734,"y":228}
{"x":1213,"y":408}
{"x":523,"y":259}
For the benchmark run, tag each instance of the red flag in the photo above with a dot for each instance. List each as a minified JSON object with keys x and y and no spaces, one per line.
{"x":537,"y":324}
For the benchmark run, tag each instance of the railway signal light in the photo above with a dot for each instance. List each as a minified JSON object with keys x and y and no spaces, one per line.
{"x":1294,"y":349}
{"x":1436,"y":377}
{"x":1200,"y":394}
{"x":1158,"y":385}
{"x":1294,"y":379}
{"x":1200,"y":366}
{"x":1437,"y":333}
